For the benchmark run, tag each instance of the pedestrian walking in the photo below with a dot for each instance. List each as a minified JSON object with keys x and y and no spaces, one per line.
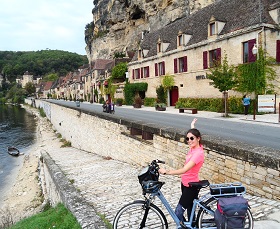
{"x":246,"y":104}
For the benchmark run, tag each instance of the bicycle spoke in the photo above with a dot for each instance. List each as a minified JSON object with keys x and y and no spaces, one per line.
{"x":131,"y":216}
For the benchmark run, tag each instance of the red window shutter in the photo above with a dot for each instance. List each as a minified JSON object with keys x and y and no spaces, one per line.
{"x":251,"y":57}
{"x":163,"y":67}
{"x":219,"y":55}
{"x":148,"y":71}
{"x":133,"y":75}
{"x":205,"y":60}
{"x":156,"y":69}
{"x":185,"y":63}
{"x":175,"y":65}
{"x":278,"y":51}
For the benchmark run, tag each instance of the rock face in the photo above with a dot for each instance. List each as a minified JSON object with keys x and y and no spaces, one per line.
{"x":118,"y":25}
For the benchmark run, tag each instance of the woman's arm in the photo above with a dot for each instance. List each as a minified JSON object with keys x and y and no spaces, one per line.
{"x":186,"y":168}
{"x":193,"y":122}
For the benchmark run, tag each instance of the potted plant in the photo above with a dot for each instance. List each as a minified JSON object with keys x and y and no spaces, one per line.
{"x":160,"y":106}
{"x":137,"y":102}
{"x":119,"y":102}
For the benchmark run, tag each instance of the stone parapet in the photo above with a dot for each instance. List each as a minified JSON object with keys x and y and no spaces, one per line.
{"x":59,"y":189}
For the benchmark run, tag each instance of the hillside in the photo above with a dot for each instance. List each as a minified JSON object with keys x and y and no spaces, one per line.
{"x":39,"y":63}
{"x":118,"y":24}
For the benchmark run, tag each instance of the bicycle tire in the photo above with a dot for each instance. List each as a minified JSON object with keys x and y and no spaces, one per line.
{"x":131,"y":215}
{"x":204,"y":219}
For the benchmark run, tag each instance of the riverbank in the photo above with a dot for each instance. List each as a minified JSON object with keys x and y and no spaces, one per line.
{"x":25,"y":196}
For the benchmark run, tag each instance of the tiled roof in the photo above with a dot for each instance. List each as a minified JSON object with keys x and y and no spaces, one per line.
{"x":48,"y":85}
{"x":237,"y":14}
{"x":101,"y":64}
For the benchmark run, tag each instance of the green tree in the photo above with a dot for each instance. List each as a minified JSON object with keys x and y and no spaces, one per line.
{"x":30,"y":88}
{"x":223,"y":77}
{"x":257,"y":76}
{"x":50,"y":77}
{"x":118,"y":72}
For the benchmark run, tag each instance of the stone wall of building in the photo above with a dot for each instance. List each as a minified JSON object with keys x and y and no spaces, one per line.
{"x":138,"y":143}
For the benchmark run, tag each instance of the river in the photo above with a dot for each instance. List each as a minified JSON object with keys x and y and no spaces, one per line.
{"x":17,"y":128}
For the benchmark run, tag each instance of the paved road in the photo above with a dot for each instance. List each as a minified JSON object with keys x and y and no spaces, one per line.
{"x":225,"y":128}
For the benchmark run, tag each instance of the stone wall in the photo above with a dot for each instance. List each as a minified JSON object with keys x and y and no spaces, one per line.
{"x":139,"y":143}
{"x":58,"y":189}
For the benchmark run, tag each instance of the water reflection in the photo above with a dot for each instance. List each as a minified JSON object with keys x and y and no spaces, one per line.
{"x":17,"y":128}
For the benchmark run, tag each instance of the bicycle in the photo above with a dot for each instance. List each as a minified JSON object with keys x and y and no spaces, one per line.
{"x":145,"y":214}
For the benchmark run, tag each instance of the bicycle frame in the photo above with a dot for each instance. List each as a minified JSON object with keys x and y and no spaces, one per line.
{"x":196,"y":203}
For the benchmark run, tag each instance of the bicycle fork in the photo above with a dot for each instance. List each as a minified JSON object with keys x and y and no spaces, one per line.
{"x":147,"y":208}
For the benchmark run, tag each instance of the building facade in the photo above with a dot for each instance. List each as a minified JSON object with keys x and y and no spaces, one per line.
{"x":188,"y":47}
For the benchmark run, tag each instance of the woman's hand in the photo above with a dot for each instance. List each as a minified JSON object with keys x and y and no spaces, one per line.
{"x":193,"y":122}
{"x":162,"y":171}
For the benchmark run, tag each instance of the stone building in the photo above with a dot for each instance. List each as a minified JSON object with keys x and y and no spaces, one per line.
{"x":189,"y":46}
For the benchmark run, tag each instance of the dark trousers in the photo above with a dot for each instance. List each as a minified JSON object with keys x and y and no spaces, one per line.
{"x":246,"y":109}
{"x":186,"y":201}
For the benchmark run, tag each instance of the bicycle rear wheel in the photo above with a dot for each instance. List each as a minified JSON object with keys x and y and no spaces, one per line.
{"x":131,"y":216}
{"x":205,"y":220}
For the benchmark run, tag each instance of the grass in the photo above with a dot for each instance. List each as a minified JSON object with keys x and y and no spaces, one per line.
{"x":65,"y":143}
{"x":57,"y":217}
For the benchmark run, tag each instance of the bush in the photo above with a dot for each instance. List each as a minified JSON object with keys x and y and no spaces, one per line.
{"x":119,"y":101}
{"x":149,"y":102}
{"x":234,"y":104}
{"x":101,"y":100}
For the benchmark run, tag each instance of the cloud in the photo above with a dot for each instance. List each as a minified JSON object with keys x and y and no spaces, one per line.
{"x":35,"y":25}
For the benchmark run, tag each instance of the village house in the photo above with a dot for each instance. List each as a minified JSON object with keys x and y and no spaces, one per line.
{"x":189,"y":46}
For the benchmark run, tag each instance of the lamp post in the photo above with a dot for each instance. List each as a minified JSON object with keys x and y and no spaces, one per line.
{"x":255,"y":53}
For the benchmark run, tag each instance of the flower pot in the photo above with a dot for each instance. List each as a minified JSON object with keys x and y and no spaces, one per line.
{"x":137,"y":105}
{"x":161,"y":108}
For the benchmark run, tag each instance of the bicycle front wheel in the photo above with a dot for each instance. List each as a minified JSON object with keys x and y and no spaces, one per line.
{"x":132,"y":215}
{"x":206,"y":219}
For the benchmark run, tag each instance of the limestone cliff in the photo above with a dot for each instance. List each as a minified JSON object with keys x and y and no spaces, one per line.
{"x":118,"y":25}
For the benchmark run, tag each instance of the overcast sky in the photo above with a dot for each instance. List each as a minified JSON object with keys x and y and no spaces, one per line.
{"x":32,"y":25}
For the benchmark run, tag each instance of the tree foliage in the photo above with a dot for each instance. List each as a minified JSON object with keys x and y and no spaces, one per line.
{"x":168,"y":82}
{"x":257,"y":76}
{"x":39,"y":63}
{"x":118,"y":72}
{"x":223,"y":76}
{"x":30,"y":88}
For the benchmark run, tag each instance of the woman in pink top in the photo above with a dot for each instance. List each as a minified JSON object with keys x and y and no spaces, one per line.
{"x":189,"y":173}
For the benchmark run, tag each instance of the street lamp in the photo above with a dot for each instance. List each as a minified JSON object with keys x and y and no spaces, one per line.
{"x":255,"y":53}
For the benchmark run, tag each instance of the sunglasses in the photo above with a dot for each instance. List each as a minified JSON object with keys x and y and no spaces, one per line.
{"x":191,"y":138}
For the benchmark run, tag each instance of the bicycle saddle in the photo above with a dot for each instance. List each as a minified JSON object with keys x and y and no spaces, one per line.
{"x":200,"y":184}
{"x":151,"y":186}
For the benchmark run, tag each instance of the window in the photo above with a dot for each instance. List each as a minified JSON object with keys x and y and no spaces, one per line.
{"x":136,"y":73}
{"x":212,"y":29}
{"x":214,"y":57}
{"x":160,"y":69}
{"x":140,"y":53}
{"x":180,"y":40}
{"x":159,"y":47}
{"x":180,"y":64}
{"x":247,"y":51}
{"x":145,"y":72}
